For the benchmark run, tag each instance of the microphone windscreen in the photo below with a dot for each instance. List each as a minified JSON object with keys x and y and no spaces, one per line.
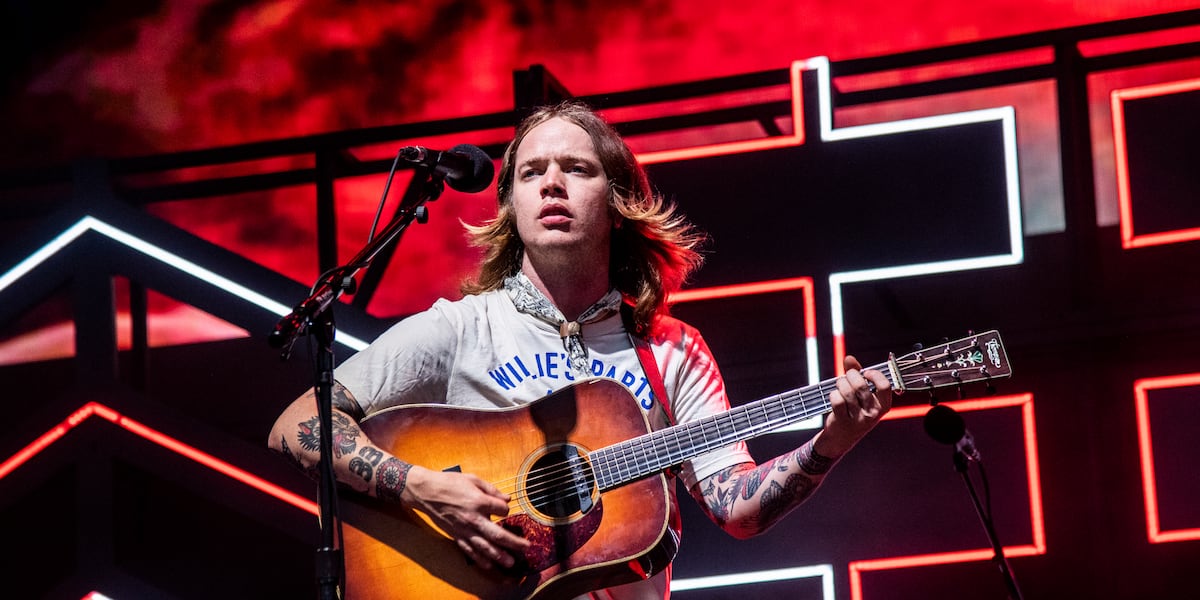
{"x":482,"y":170}
{"x":944,"y":424}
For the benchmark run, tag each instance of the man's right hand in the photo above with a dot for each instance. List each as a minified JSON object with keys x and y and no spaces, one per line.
{"x":463,"y":505}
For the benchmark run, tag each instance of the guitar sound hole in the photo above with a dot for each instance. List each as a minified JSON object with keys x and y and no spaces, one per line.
{"x":560,"y":483}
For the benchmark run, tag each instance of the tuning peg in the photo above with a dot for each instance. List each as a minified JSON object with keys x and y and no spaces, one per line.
{"x":989,"y":389}
{"x":918,"y":347}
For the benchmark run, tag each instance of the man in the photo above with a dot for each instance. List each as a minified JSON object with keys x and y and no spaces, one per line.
{"x":578,"y":233}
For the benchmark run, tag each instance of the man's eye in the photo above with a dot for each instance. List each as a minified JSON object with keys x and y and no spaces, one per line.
{"x":528,"y":173}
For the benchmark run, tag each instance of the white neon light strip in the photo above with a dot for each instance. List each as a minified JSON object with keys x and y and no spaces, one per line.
{"x":1007,"y":117}
{"x":225,"y":284}
{"x":825,"y":572}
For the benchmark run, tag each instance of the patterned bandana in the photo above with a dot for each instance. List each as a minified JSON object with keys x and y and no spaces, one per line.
{"x":530,"y":300}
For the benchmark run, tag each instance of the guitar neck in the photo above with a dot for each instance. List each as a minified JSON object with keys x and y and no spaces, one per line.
{"x":660,"y":450}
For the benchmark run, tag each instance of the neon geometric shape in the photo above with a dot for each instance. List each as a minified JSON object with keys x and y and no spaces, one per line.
{"x":1037,"y":522}
{"x":90,"y":223}
{"x":95,"y":409}
{"x":805,"y":285}
{"x":1141,"y":388}
{"x":1004,"y":115}
{"x":1124,"y":198}
{"x":825,"y":572}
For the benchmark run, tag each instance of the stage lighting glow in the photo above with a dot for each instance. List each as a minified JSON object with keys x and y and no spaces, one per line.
{"x":1129,"y":239}
{"x":95,"y":409}
{"x":805,"y":286}
{"x":1033,"y":474}
{"x":1141,"y":391}
{"x":1007,"y":118}
{"x":90,"y":223}
{"x":825,"y":572}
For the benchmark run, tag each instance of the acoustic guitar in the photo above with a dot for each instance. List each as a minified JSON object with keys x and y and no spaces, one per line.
{"x":587,"y":477}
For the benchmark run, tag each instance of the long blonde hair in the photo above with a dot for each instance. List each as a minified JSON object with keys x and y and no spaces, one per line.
{"x":654,"y":249}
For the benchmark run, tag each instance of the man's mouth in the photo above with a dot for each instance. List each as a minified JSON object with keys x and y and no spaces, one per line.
{"x":554,"y":214}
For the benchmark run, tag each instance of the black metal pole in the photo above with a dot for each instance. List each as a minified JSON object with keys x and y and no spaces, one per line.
{"x":962,"y":465}
{"x":330,"y":561}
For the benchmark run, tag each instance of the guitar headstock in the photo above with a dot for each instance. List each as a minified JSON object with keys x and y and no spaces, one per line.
{"x":977,"y":357}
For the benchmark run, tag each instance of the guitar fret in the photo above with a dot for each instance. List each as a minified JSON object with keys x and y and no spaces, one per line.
{"x":656,"y":451}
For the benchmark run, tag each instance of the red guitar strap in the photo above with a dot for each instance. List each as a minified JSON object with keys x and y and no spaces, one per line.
{"x":649,"y":365}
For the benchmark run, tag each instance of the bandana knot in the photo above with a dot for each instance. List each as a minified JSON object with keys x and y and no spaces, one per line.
{"x":530,"y":300}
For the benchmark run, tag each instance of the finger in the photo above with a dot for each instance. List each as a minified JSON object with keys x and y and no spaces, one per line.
{"x":860,"y":387}
{"x":504,"y":538}
{"x":883,"y":388}
{"x":490,"y":489}
{"x":493,"y":554}
{"x":474,"y":557}
{"x":494,"y":501}
{"x":849,"y":363}
{"x":849,"y":401}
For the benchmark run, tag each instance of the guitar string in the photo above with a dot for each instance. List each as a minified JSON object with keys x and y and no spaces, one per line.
{"x":621,"y":458}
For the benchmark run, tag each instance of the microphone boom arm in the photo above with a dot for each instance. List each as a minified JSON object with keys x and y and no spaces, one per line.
{"x":340,"y":280}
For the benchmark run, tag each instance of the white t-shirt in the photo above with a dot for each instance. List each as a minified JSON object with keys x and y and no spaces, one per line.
{"x":481,"y":352}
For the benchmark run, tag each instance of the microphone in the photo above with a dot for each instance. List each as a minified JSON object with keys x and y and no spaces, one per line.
{"x":465,"y":167}
{"x":946,"y":426}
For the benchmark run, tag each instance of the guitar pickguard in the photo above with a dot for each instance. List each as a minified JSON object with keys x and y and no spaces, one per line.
{"x":551,"y":544}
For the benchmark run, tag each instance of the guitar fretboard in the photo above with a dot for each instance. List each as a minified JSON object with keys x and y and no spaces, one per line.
{"x":660,"y":450}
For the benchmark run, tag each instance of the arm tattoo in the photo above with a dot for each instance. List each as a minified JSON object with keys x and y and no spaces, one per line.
{"x":364,"y":464}
{"x":777,"y":500}
{"x":811,"y":462}
{"x":344,"y":401}
{"x":752,"y":480}
{"x":393,"y":476}
{"x":292,"y":457}
{"x":774,"y":488}
{"x":716,"y":497}
{"x":345,"y":435}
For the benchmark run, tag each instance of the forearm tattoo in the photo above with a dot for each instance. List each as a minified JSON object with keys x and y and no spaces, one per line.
{"x":775,"y":487}
{"x":392,"y":477}
{"x":811,"y":462}
{"x":777,"y":500}
{"x":717,"y":496}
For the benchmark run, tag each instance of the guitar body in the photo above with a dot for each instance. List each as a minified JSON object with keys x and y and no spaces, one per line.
{"x":583,"y":540}
{"x":555,"y":455}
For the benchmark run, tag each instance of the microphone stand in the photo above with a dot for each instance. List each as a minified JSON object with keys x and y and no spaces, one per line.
{"x":962,"y":465}
{"x":314,"y":315}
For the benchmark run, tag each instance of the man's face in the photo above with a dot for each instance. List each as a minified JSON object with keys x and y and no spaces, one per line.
{"x":560,"y":194}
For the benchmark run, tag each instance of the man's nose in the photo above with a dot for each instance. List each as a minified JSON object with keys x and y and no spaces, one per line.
{"x":552,"y":182}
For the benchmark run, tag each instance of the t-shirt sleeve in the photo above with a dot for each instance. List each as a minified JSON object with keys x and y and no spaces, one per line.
{"x":407,"y":364}
{"x":700,"y":392}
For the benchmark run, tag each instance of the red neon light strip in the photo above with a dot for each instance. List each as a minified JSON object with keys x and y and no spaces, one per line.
{"x":795,"y":139}
{"x":1121,"y":151}
{"x":166,"y":441}
{"x":839,"y":354}
{"x":1141,"y":388}
{"x":1036,"y":517}
{"x":804,"y":284}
